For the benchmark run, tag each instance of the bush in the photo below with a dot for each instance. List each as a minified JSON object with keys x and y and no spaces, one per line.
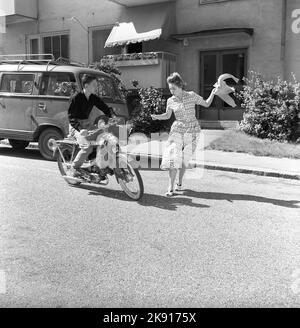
{"x":271,"y":107}
{"x":151,"y":101}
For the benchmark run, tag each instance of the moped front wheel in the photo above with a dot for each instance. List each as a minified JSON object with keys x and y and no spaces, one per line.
{"x":129,"y":179}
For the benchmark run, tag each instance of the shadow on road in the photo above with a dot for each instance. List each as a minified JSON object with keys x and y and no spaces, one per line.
{"x":26,"y":153}
{"x":243,"y":197}
{"x":172,"y":203}
{"x":149,"y":200}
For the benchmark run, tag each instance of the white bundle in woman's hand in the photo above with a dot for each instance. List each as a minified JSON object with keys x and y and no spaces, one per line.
{"x":223,"y":90}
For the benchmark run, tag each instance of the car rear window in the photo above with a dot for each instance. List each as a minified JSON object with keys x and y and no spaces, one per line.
{"x":58,"y":84}
{"x":17,"y":83}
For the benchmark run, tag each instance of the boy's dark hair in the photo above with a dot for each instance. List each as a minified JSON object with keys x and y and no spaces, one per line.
{"x":87,"y":79}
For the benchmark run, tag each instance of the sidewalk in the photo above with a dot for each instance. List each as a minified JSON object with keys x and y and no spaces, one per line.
{"x":226,"y":161}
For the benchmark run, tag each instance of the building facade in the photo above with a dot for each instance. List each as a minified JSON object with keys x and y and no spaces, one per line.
{"x":199,"y":38}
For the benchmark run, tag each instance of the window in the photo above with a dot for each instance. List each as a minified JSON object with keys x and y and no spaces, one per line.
{"x":58,"y":84}
{"x":215,"y":63}
{"x":17,"y":83}
{"x":106,"y":87}
{"x":58,"y":45}
{"x":34,"y":46}
{"x":99,"y":38}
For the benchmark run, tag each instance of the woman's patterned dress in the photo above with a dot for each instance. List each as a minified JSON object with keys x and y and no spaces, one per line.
{"x":185,"y":131}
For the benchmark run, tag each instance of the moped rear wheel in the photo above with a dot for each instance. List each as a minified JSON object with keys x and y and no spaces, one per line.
{"x":64,"y":163}
{"x":129,"y":179}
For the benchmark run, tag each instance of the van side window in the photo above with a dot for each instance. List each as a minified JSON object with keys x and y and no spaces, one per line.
{"x":17,"y":83}
{"x":58,"y":84}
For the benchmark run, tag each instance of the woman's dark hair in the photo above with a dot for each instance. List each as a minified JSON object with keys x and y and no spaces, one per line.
{"x":87,"y":79}
{"x":176,"y":79}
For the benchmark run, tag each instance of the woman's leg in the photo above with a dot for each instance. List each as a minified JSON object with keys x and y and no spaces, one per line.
{"x":181,"y":174}
{"x":172,"y":175}
{"x":182,"y":170}
{"x":188,"y":151}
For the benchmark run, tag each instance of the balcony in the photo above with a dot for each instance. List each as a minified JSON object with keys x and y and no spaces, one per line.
{"x":18,"y":11}
{"x":148,"y":68}
{"x":132,"y":3}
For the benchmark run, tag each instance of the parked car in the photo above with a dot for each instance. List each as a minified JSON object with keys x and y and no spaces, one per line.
{"x":34,"y":99}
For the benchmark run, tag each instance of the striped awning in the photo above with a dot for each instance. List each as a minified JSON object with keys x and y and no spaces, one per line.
{"x":125,"y":33}
{"x":141,"y":23}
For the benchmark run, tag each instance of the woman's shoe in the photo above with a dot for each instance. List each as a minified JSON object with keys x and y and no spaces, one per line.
{"x":170,"y":193}
{"x":178,"y":187}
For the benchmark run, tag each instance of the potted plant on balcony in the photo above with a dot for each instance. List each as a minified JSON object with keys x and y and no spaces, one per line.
{"x":141,"y":58}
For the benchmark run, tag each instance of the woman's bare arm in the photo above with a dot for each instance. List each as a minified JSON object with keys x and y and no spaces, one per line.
{"x":206,"y":103}
{"x":164,"y":116}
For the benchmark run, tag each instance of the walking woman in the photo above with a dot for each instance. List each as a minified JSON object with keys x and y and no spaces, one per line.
{"x":185,"y":130}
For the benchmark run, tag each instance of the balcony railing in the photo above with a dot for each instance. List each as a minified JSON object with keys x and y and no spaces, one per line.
{"x":141,"y":58}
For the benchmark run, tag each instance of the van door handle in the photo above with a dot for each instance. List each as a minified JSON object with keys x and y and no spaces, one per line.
{"x":2,"y":103}
{"x":42,"y":107}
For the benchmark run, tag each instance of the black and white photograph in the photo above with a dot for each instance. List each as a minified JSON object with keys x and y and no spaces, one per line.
{"x":149,"y":156}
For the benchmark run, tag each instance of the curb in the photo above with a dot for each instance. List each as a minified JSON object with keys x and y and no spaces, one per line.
{"x":228,"y":168}
{"x":249,"y":171}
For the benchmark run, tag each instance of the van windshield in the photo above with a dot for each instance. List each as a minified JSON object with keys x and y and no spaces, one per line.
{"x":106,"y":87}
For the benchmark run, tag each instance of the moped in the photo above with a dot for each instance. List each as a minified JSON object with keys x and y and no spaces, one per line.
{"x":106,"y":160}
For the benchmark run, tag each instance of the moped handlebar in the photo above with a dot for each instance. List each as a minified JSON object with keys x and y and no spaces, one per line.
{"x":101,"y":126}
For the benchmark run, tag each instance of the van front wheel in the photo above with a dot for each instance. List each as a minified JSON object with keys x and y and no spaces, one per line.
{"x":47,"y":142}
{"x":18,"y":144}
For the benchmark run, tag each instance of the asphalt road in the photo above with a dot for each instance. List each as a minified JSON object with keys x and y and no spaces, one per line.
{"x":228,"y":240}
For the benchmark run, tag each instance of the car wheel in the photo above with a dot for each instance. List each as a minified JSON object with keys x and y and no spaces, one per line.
{"x":46,"y":142}
{"x":18,"y":144}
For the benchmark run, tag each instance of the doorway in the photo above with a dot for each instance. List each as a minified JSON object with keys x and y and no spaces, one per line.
{"x":212,"y":65}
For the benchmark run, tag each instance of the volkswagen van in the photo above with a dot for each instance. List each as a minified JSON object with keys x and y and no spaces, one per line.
{"x":34,"y":100}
